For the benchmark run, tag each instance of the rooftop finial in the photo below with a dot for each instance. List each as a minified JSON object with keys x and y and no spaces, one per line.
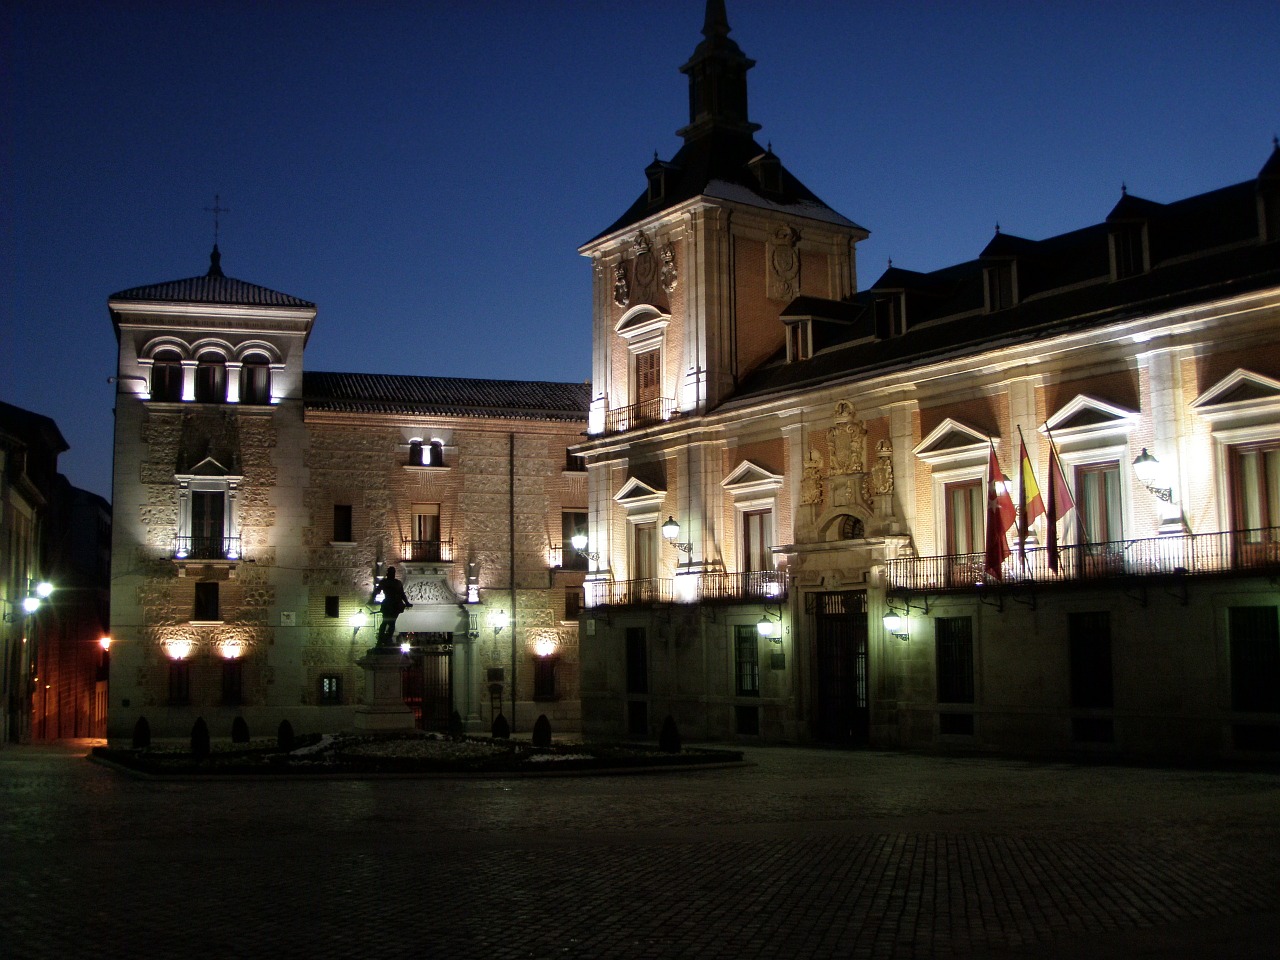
{"x":215,"y":263}
{"x":1124,"y":189}
{"x":716,"y":22}
{"x":997,"y":226}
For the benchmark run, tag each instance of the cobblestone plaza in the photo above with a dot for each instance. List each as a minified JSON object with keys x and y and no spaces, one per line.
{"x":803,"y":853}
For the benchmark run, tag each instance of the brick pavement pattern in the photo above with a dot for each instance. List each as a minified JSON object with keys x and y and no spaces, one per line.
{"x":806,"y":853}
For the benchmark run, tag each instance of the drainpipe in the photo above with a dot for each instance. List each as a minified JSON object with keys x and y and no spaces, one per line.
{"x":511,"y":534}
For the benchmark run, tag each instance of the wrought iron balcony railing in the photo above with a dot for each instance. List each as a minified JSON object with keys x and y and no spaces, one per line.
{"x":628,"y":593}
{"x":769,"y":586}
{"x":643,"y":414}
{"x":206,"y":548}
{"x":427,"y":551}
{"x":1201,"y":554}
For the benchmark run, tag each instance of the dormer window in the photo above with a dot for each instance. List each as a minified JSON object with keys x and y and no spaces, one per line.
{"x":1269,"y":213}
{"x":1128,"y":250}
{"x":768,"y":172}
{"x":657,"y":183}
{"x":890,"y":317}
{"x":799,"y":340}
{"x":1001,"y":285}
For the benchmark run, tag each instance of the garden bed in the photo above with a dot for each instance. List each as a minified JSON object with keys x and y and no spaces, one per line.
{"x":411,"y":754}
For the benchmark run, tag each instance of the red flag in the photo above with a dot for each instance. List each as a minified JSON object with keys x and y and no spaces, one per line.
{"x":1060,"y":501}
{"x":1000,"y":517}
{"x":1029,"y":502}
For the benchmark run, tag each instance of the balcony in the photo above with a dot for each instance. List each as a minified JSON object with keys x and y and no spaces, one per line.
{"x":427,"y":551}
{"x":768,"y":586}
{"x":206,"y":548}
{"x":628,"y":593}
{"x":643,"y":414}
{"x":1202,"y":554}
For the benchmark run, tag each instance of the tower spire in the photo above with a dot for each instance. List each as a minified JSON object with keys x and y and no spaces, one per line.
{"x":717,"y":74}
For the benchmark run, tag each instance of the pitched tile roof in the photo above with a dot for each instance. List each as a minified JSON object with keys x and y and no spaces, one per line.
{"x":220,"y":290}
{"x":445,"y":396}
{"x":212,"y":287}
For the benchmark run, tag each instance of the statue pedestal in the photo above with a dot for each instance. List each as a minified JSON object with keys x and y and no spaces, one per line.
{"x":383,"y":708}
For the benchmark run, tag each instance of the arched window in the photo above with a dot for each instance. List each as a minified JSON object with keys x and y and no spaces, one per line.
{"x":435,"y":454}
{"x":211,"y":379}
{"x":255,"y":379}
{"x":166,"y":376}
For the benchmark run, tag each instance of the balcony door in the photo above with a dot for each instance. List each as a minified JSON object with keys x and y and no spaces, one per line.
{"x":1255,"y":494}
{"x":1100,"y":526}
{"x":965,"y":503}
{"x":208,"y":513}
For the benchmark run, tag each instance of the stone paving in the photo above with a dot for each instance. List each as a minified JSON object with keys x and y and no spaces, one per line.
{"x":806,"y":853}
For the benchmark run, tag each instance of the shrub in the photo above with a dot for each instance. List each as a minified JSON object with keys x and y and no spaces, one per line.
{"x":501,"y":729}
{"x":141,"y":734}
{"x":455,"y":723}
{"x":542,"y":731}
{"x":239,"y":730}
{"x":284,"y":735}
{"x":669,"y":736}
{"x":200,"y":739}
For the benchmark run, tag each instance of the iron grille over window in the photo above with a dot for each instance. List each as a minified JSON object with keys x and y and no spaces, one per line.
{"x":955,"y":659}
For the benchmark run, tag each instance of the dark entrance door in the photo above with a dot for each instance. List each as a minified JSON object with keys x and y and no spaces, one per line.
{"x":428,"y":680}
{"x":841,"y":714}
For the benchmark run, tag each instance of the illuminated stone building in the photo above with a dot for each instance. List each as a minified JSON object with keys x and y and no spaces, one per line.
{"x":257,"y":503}
{"x":784,"y":498}
{"x":822,"y":457}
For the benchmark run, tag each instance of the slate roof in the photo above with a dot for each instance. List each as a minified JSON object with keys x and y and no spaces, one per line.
{"x":445,"y":396}
{"x":213,"y":287}
{"x":1201,"y":248}
{"x":716,"y":165}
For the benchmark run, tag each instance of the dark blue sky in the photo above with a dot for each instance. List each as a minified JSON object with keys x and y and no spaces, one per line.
{"x":425,"y":171}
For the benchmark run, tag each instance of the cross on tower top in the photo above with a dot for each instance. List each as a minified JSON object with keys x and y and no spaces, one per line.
{"x":217,"y":210}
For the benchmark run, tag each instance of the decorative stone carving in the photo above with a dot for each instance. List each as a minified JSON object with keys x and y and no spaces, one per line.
{"x":429,"y":591}
{"x":667,"y":277}
{"x":811,"y":480}
{"x":621,"y":289}
{"x":783,"y":278}
{"x":882,"y":472}
{"x":847,"y":440}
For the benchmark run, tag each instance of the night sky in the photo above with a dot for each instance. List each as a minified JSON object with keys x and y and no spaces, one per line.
{"x":424,"y":172}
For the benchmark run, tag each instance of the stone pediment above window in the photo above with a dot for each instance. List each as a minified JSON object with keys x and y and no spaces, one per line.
{"x":209,"y":467}
{"x":748,"y":479}
{"x":1241,"y":398}
{"x":637,"y":493}
{"x":1087,"y":419}
{"x":643,"y":327}
{"x":953,"y":443}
